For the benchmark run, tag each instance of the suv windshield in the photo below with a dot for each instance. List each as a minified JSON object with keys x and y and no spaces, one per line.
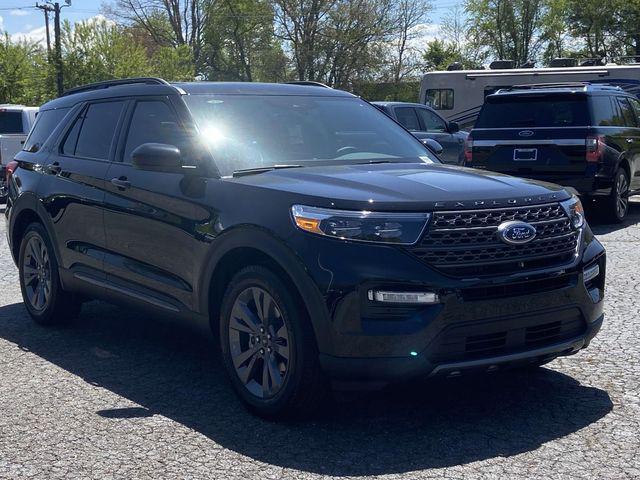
{"x":530,"y":111}
{"x":255,"y":131}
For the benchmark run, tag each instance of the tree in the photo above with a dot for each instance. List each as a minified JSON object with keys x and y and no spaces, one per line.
{"x":25,"y":77}
{"x":169,"y":22}
{"x":509,"y":29}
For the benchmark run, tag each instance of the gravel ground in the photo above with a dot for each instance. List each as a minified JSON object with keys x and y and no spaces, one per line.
{"x":121,"y":395}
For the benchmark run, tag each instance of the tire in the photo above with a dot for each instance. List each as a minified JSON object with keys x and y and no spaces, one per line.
{"x":42,"y":293}
{"x":617,"y":204}
{"x":275,"y":371}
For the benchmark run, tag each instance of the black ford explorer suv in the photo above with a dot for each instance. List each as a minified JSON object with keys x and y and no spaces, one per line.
{"x":314,"y":235}
{"x":584,"y":136}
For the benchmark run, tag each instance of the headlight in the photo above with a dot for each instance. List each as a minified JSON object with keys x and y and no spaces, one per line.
{"x":365,"y":226}
{"x":573,"y":208}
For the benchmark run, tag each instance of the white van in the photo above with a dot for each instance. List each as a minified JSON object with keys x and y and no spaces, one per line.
{"x":458,"y":95}
{"x":15,"y":124}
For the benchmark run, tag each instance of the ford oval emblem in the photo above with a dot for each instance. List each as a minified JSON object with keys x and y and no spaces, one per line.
{"x":526,"y":133}
{"x":516,"y":233}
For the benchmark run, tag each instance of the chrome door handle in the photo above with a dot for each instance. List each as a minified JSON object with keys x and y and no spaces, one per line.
{"x":54,"y":168}
{"x":122,"y":183}
{"x":629,"y":140}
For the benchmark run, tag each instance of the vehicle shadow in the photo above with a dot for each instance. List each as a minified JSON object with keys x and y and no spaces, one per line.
{"x":174,"y":372}
{"x":600,"y":225}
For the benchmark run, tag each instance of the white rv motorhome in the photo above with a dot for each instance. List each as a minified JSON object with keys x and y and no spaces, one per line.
{"x":458,"y":95}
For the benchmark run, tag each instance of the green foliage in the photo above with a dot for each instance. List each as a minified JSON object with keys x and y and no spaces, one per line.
{"x":172,"y":63}
{"x":24,"y":75}
{"x":388,"y":91}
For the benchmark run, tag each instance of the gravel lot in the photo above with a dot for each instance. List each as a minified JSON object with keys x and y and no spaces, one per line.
{"x":121,"y":395}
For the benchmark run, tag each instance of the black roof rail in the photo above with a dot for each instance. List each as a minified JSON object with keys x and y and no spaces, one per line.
{"x":115,"y":83}
{"x":308,"y":83}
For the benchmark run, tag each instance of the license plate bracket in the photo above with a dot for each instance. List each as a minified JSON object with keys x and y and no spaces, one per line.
{"x":525,"y":154}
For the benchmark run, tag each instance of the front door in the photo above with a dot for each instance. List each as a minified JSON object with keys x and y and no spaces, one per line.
{"x":150,"y":216}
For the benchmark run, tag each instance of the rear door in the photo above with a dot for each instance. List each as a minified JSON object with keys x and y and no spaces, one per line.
{"x":630,"y":136}
{"x":72,"y":189}
{"x":536,"y":136}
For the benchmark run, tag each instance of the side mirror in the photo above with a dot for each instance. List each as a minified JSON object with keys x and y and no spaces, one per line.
{"x":454,"y":127}
{"x":432,"y":145}
{"x":157,"y":157}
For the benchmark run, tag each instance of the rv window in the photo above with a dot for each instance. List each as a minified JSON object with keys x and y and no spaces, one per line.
{"x":529,"y":111}
{"x":440,"y":98}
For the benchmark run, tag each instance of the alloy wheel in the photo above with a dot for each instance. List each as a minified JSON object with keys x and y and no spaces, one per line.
{"x":259,"y":342}
{"x":622,"y":201}
{"x":36,"y":273}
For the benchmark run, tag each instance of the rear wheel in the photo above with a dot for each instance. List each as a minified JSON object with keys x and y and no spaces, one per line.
{"x":44,"y":298}
{"x":617,"y":205}
{"x":268,"y":347}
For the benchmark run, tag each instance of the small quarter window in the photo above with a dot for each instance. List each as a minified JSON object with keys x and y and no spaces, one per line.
{"x":46,"y":123}
{"x":440,"y":98}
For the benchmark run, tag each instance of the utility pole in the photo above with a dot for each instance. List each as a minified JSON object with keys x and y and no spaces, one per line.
{"x":56,"y":29}
{"x":46,"y":9}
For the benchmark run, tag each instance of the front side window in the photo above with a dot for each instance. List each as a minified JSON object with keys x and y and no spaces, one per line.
{"x":431,"y":121}
{"x":407,"y":118}
{"x":440,"y":98}
{"x":92,"y":133}
{"x":153,"y":121}
{"x":253,"y":131}
{"x":531,"y":111}
{"x":46,"y":123}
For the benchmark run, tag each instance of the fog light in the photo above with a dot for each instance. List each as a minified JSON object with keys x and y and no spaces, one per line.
{"x":403,"y":297}
{"x":590,"y":273}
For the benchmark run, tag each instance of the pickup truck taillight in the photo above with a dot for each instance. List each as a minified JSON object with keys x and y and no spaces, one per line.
{"x":595,"y":148}
{"x":11,"y":167}
{"x":468,"y":150}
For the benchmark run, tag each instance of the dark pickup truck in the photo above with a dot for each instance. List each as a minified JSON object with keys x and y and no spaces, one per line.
{"x":577,"y":135}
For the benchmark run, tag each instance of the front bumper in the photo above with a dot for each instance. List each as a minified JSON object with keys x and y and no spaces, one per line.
{"x":480,"y":324}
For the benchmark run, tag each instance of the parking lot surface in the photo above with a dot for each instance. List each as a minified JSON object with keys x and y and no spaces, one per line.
{"x":118,"y":394}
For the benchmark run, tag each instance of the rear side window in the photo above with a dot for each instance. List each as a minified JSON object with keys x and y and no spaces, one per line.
{"x":93,"y":131}
{"x":46,"y":123}
{"x":431,"y":121}
{"x":628,"y":117}
{"x":10,"y":122}
{"x":604,"y":115}
{"x":407,"y":118}
{"x":529,"y":111}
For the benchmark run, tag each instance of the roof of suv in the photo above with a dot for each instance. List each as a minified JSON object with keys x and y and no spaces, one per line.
{"x":151,"y":86}
{"x":558,"y":88}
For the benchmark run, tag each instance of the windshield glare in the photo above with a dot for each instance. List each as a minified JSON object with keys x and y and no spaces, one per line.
{"x":252,"y":131}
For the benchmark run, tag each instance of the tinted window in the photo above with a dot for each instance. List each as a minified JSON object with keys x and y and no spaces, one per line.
{"x":635,"y":104}
{"x":440,"y":98}
{"x":153,"y":122}
{"x":626,"y":111}
{"x":407,"y":118}
{"x":93,"y":131}
{"x":10,"y":122}
{"x":603,"y":112}
{"x":46,"y":122}
{"x":248,"y":131}
{"x":431,"y":121}
{"x":529,"y":111}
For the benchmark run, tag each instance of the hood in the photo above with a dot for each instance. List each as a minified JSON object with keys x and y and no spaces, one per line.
{"x":395,"y":186}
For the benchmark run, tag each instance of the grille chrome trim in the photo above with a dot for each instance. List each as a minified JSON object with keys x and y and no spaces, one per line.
{"x":463,"y":243}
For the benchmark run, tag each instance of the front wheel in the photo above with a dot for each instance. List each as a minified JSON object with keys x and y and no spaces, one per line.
{"x":42,"y":293}
{"x":268,"y":346}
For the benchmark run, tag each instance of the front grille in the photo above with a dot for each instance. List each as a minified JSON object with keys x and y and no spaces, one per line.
{"x":466,"y":243}
{"x":485,"y":339}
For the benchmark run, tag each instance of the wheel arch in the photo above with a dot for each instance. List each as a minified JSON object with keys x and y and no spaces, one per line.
{"x":25,"y":210}
{"x":247,"y":245}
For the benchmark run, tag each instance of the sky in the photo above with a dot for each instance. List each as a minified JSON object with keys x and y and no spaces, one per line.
{"x":22,"y":20}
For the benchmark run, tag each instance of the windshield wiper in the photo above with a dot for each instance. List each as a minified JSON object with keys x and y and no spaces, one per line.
{"x":251,"y":171}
